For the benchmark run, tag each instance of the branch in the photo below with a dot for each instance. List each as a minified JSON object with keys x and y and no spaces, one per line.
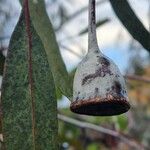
{"x":81,"y":124}
{"x":99,"y":23}
{"x":71,"y":51}
{"x":138,"y":78}
{"x":78,"y":12}
{"x":131,"y":22}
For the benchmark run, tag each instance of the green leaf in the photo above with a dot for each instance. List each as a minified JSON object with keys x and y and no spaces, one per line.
{"x":45,"y":30}
{"x":131,"y":22}
{"x":99,"y":23}
{"x":58,"y":94}
{"x":18,"y":125}
{"x":122,"y":122}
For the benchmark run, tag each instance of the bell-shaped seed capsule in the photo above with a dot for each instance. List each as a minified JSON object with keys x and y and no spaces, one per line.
{"x":99,"y":88}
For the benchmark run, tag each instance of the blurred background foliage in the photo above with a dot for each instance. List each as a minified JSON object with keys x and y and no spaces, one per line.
{"x":69,"y":20}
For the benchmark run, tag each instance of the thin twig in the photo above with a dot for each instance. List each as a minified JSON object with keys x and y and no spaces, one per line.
{"x":86,"y":125}
{"x":71,"y":51}
{"x":78,"y":12}
{"x":138,"y":78}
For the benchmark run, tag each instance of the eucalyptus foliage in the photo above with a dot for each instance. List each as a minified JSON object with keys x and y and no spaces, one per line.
{"x":17,"y":123}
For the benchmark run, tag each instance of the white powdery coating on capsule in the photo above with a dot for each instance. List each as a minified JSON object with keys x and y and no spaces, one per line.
{"x":98,"y":76}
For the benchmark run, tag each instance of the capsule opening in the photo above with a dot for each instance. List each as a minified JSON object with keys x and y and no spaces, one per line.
{"x":103,"y":107}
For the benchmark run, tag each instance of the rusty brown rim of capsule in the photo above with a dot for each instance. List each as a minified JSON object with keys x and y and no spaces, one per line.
{"x":101,"y":106}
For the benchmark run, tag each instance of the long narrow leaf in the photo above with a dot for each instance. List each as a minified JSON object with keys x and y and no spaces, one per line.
{"x":131,"y":22}
{"x":45,"y":30}
{"x":16,"y":96}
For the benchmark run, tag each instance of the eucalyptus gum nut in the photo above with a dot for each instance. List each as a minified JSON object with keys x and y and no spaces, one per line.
{"x":99,"y":88}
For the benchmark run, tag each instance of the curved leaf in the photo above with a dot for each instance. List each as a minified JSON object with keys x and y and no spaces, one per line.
{"x":131,"y":22}
{"x":45,"y":30}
